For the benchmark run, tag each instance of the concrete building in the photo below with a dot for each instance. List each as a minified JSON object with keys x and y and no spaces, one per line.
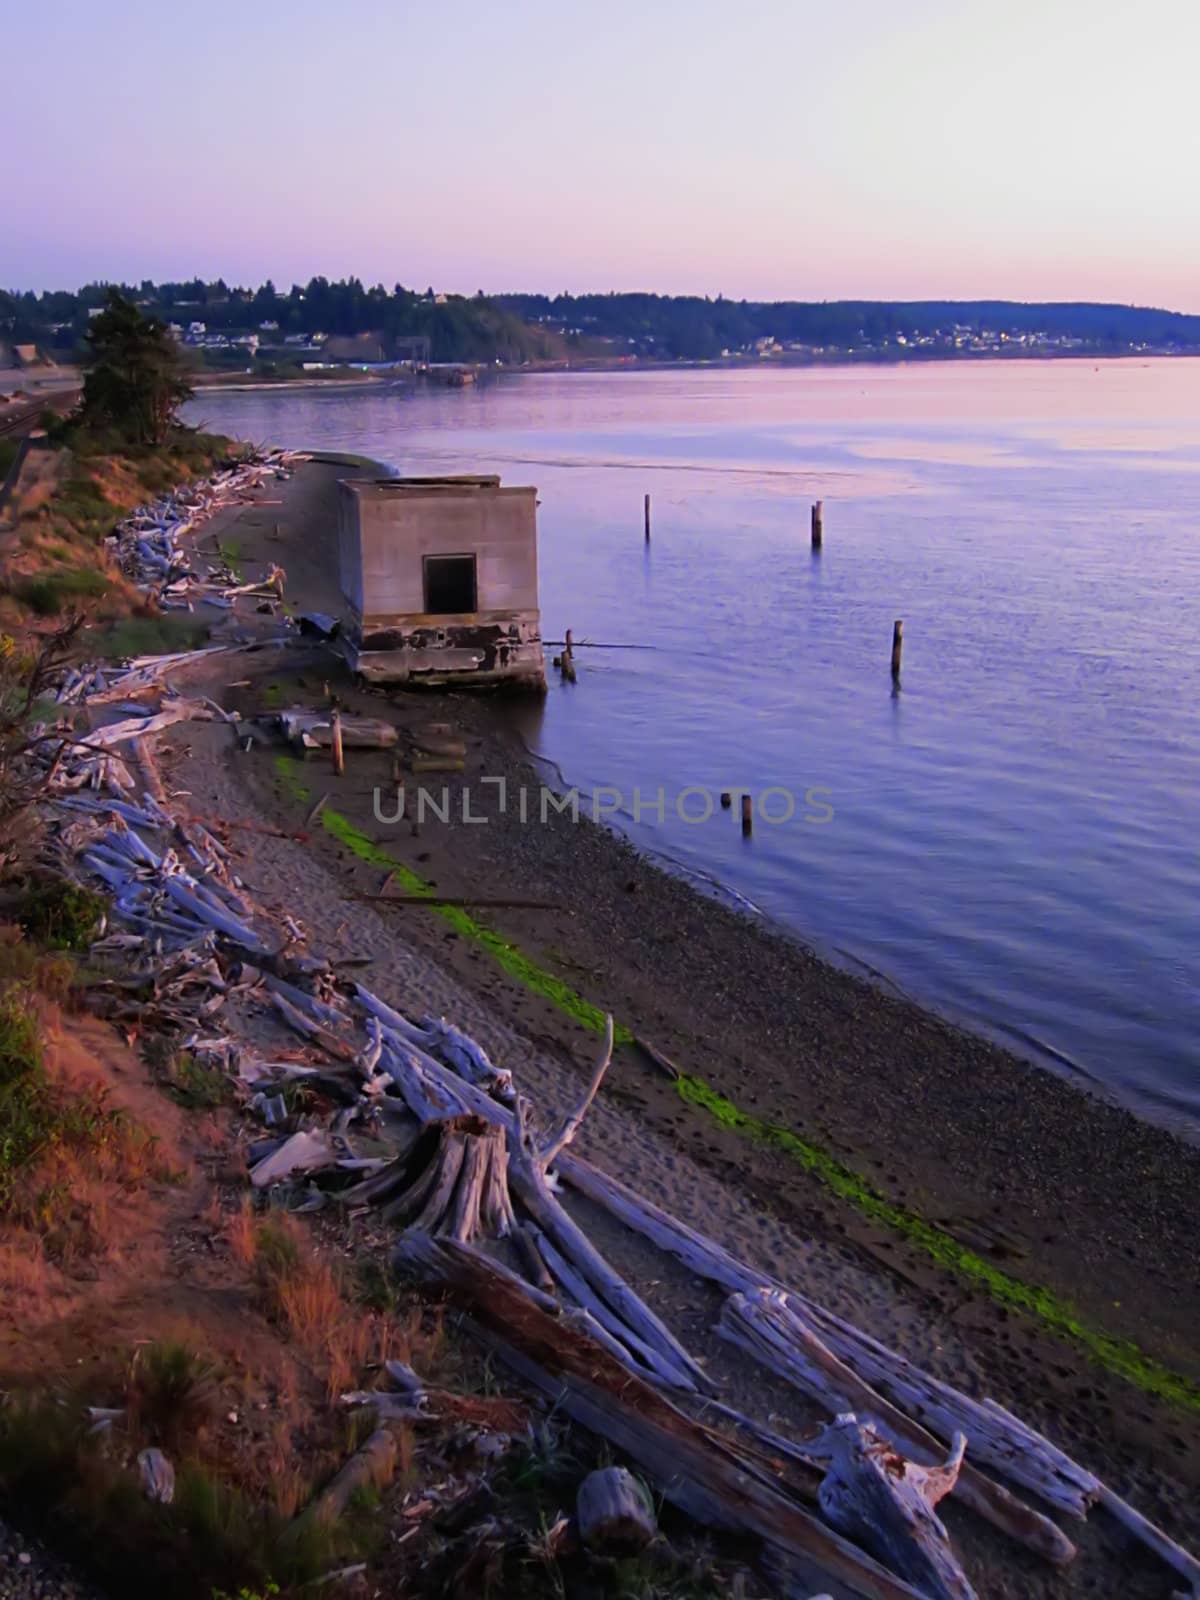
{"x":439,"y":577}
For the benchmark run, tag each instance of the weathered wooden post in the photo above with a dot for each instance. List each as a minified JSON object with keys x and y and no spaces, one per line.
{"x":818,"y":523}
{"x":747,"y":816}
{"x":568,"y":658}
{"x":647,"y":519}
{"x":897,"y":646}
{"x":335,"y":727}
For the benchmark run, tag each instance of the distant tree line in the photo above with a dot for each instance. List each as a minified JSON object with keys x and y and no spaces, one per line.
{"x":696,"y":328}
{"x":514,"y":328}
{"x":459,"y":328}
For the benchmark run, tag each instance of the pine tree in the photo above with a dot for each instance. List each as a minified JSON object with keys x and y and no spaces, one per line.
{"x":135,"y":383}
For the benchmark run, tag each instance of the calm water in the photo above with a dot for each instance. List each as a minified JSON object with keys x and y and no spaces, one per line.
{"x":1014,"y":837}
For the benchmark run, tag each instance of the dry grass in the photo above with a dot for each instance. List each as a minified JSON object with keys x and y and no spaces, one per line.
{"x":241,"y":1230}
{"x":24,"y":963}
{"x":70,"y":501}
{"x":290,"y":1484}
{"x":304,"y":1294}
{"x":89,"y":1156}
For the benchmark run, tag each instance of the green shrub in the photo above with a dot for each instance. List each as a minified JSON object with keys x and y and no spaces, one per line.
{"x":63,"y":915}
{"x":20,"y":1042}
{"x":47,"y":593}
{"x":143,"y":636}
{"x":192,"y":1084}
{"x":84,"y":505}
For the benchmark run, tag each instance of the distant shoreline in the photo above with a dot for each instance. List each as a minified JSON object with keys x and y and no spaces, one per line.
{"x":873,"y":358}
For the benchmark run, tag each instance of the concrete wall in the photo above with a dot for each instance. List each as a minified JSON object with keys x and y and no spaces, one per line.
{"x":384,"y":534}
{"x":386,"y":529}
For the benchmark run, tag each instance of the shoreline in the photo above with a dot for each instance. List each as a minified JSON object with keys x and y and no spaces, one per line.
{"x":1026,"y":1049}
{"x":1045,"y":1223}
{"x":488,"y":371}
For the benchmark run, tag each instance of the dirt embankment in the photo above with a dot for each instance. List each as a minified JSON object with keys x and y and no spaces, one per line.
{"x":68,"y":497}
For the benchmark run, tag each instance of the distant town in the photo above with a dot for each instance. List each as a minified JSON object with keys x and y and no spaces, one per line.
{"x":326,"y":328}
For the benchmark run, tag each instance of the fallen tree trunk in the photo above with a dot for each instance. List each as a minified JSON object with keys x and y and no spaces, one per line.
{"x":770,"y":1328}
{"x":696,"y":1469}
{"x":368,"y":1468}
{"x":998,"y":1439}
{"x":528,"y":1179}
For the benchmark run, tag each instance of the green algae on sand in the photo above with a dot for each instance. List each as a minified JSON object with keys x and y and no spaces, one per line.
{"x":1119,"y":1356}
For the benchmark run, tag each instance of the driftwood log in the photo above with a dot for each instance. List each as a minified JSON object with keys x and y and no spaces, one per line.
{"x":370,"y":1467}
{"x":886,"y":1503}
{"x":768,"y":1326}
{"x":614,"y":1513}
{"x":700,"y":1471}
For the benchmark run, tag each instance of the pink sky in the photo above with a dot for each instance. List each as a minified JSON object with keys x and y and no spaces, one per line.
{"x":883,"y":148}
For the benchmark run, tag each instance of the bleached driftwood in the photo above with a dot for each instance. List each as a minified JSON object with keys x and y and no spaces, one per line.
{"x":886,"y":1504}
{"x":527,"y":1177}
{"x":310,"y":1029}
{"x":457,"y":1192}
{"x":767,"y":1325}
{"x":157,"y":1475}
{"x":314,"y":729}
{"x":998,"y":1440}
{"x":555,"y":1145}
{"x":1154,"y":1539}
{"x":696,"y":1469}
{"x":173,"y":711}
{"x":303,"y":1152}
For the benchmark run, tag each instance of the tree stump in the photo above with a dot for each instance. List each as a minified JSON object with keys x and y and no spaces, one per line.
{"x":614,"y":1513}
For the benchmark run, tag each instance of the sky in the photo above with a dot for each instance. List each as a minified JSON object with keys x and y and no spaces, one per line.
{"x":769,"y":149}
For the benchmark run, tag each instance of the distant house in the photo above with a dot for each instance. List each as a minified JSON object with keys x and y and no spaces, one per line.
{"x":355,"y":347}
{"x":439,"y":577}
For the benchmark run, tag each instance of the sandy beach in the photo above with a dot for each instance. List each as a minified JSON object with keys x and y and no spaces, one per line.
{"x":1023,"y":1237}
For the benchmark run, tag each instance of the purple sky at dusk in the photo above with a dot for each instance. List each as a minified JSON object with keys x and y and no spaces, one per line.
{"x":771,"y":149}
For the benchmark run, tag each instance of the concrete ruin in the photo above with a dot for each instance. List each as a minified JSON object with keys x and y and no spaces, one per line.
{"x":439,"y":577}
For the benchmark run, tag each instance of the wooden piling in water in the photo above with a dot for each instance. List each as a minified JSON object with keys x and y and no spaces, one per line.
{"x":897,"y":646}
{"x":818,"y":523}
{"x":335,"y":728}
{"x":747,"y":816}
{"x":567,"y":659}
{"x":647,"y":519}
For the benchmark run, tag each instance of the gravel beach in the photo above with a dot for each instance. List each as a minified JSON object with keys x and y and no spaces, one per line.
{"x":1022,"y":1237}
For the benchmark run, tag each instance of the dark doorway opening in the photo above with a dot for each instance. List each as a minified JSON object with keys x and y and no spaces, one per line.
{"x":449,"y":584}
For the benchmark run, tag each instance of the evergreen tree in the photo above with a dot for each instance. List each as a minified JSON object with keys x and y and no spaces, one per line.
{"x":135,"y":383}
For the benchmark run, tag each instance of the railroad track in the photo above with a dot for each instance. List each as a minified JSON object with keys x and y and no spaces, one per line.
{"x":19,"y":419}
